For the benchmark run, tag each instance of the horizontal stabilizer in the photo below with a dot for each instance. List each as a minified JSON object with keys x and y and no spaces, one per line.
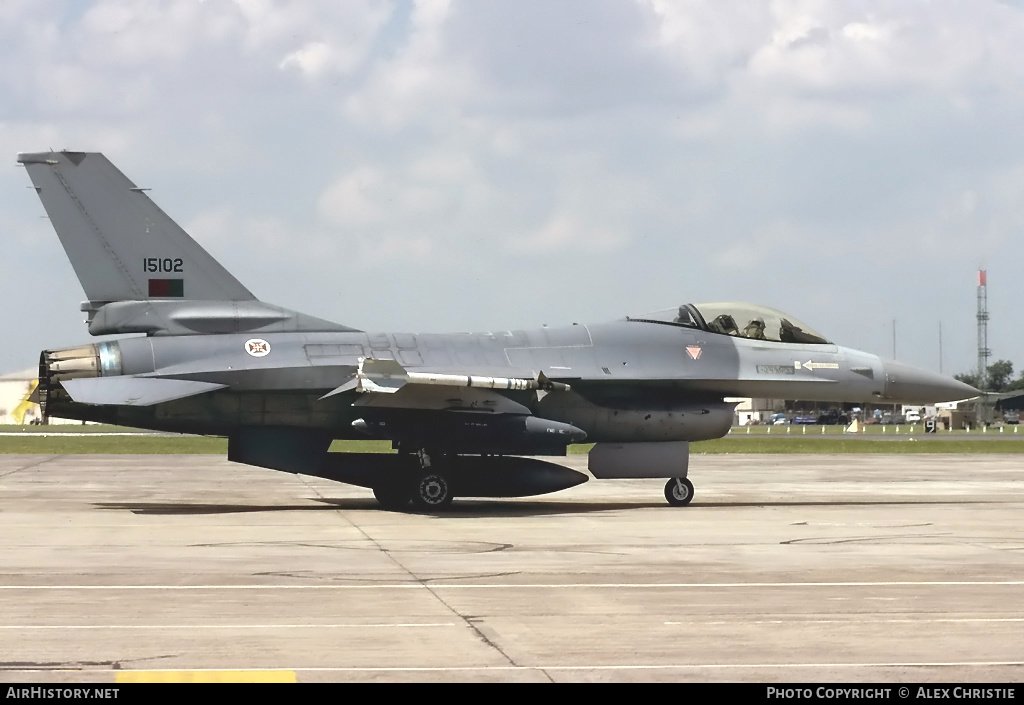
{"x":134,"y":391}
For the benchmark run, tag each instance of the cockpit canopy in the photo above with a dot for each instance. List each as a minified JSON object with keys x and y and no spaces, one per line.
{"x":739,"y":319}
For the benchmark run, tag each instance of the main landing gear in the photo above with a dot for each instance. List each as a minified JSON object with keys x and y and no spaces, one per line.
{"x":393,"y":495}
{"x":432,"y":491}
{"x":427,"y":487}
{"x":679,"y":491}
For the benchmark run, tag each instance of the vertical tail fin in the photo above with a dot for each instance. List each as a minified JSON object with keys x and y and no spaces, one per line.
{"x":121,"y":245}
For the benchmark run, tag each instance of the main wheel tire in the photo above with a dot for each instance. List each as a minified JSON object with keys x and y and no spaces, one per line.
{"x":395,"y":496}
{"x":432,"y":491}
{"x":679,"y":491}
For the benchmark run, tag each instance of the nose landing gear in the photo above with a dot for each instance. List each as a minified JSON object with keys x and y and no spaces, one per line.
{"x":679,"y":491}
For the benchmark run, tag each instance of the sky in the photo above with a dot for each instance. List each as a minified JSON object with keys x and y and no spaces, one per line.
{"x":491,"y":165}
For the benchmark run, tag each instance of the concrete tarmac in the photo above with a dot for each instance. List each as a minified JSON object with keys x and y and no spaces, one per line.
{"x":809,"y":568}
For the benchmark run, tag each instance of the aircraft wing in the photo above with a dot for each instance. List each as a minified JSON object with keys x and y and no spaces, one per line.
{"x":464,"y":411}
{"x":134,"y":391}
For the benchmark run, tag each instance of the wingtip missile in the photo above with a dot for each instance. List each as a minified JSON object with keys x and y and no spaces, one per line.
{"x":387,"y":376}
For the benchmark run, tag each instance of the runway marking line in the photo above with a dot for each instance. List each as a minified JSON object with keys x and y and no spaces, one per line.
{"x":855,"y":619}
{"x":796,"y":620}
{"x":353,"y":625}
{"x":532,"y":586}
{"x":206,"y":676}
{"x":691,"y":666}
{"x":631,"y":667}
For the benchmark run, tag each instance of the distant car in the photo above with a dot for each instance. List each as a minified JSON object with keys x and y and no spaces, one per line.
{"x":1011,"y":417}
{"x":778,"y":419}
{"x":831,"y":418}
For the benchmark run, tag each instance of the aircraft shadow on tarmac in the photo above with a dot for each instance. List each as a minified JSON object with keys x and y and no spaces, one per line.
{"x":470,"y":508}
{"x":458,"y":510}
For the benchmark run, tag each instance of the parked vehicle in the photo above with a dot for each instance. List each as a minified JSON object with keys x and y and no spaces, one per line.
{"x":778,"y":419}
{"x":1011,"y":417}
{"x":917,"y":414}
{"x":833,"y":417}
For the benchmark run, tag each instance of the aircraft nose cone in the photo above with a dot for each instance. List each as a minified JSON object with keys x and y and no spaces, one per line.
{"x":913,"y":385}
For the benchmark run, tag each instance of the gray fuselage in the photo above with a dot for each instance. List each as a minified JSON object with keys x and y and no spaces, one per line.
{"x":630,"y":380}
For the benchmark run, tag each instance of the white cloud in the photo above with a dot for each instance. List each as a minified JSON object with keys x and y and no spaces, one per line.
{"x":778,"y":241}
{"x":419,"y":82}
{"x":567,"y":233}
{"x":687,"y":144}
{"x":384,"y":252}
{"x":356,"y":199}
{"x":316,"y":59}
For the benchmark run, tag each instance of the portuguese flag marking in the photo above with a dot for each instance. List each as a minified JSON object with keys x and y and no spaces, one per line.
{"x":166,"y":287}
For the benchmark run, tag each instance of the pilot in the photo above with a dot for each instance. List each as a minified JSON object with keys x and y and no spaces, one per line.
{"x":684,"y":316}
{"x":724,"y":324}
{"x":755,"y":329}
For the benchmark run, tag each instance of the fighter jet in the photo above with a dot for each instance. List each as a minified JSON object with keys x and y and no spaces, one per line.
{"x":467,"y":414}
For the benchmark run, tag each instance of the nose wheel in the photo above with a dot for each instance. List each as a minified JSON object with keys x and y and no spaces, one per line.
{"x":679,"y":491}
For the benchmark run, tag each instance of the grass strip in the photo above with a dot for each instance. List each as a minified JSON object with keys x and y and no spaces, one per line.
{"x":73,"y":439}
{"x":81,"y":444}
{"x":86,"y":444}
{"x":69,"y":428}
{"x":851,"y":446}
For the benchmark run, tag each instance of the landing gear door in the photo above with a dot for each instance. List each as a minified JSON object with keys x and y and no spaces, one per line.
{"x":639,"y":460}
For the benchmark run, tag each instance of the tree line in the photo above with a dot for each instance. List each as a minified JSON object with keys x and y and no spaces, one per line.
{"x":998,"y":377}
